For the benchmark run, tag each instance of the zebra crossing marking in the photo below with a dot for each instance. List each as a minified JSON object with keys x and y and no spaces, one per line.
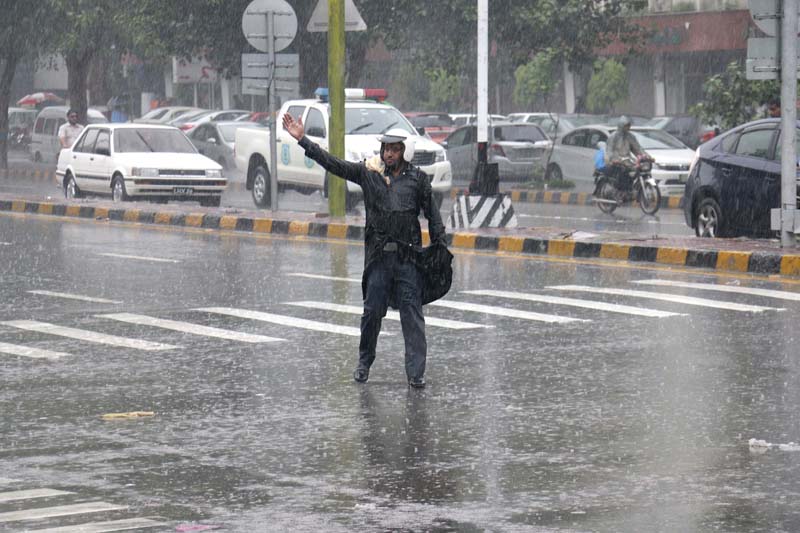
{"x":688,"y":300}
{"x":574,"y":302}
{"x":187,"y":327}
{"x":15,"y":495}
{"x":139,"y":257}
{"x":503,"y":311}
{"x":284,"y":320}
{"x":105,"y":527}
{"x":59,"y":511}
{"x":753,"y":291}
{"x":29,"y":351}
{"x":85,"y":335}
{"x":390,"y":315}
{"x":320,"y":276}
{"x":75,"y":297}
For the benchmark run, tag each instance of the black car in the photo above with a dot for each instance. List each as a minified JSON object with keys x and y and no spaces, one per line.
{"x":735,"y":180}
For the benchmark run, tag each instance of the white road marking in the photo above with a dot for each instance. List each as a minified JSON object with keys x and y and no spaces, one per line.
{"x":58,"y":511}
{"x":105,"y":527}
{"x":140,"y":257}
{"x":586,"y":304}
{"x":320,"y":276}
{"x":688,"y":300}
{"x":28,"y":351}
{"x":90,"y":336}
{"x":769,"y":293}
{"x":75,"y":297}
{"x":284,"y":320}
{"x":6,"y":243}
{"x":16,"y":495}
{"x":390,"y":315}
{"x":502,"y":311}
{"x":188,"y":327}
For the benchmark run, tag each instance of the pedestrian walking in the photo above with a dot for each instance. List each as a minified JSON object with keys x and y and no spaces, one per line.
{"x":70,"y":130}
{"x":395,"y":192}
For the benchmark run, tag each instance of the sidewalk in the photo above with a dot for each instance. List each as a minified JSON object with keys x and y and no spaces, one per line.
{"x":729,"y":255}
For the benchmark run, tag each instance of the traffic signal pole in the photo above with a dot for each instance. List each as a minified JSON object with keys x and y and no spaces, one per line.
{"x":336,"y":63}
{"x":788,"y":37}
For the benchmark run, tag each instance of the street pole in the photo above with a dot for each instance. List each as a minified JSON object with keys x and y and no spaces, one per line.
{"x":336,"y":61}
{"x":273,"y":119}
{"x":788,"y":37}
{"x":483,"y":82}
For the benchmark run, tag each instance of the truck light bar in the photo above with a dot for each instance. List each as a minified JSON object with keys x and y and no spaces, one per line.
{"x":379,"y":95}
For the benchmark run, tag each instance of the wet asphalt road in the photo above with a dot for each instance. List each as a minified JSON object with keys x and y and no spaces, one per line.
{"x":593,"y":420}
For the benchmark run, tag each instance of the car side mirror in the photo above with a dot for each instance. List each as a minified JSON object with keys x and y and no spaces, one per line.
{"x":421,"y":130}
{"x":211,"y":140}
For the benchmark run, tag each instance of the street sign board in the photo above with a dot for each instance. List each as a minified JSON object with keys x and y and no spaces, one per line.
{"x":194,"y":70}
{"x":283,"y":89}
{"x":352,"y":18}
{"x":254,"y":24}
{"x":287,"y":66}
{"x":763,"y":58}
{"x":766,"y":15}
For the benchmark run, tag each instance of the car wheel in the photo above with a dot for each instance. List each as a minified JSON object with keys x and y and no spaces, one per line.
{"x":261,"y":186}
{"x":118,"y":191}
{"x":211,"y":201}
{"x":708,"y":219}
{"x":71,"y":190}
{"x":554,"y":173}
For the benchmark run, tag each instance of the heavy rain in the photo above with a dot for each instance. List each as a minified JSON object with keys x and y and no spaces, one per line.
{"x":351,"y":265}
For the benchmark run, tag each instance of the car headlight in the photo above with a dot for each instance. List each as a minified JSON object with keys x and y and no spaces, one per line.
{"x":695,"y":159}
{"x":145,"y":172}
{"x":441,"y":155}
{"x":214,"y":174}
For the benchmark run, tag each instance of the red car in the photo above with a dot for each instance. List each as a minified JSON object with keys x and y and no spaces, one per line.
{"x":437,"y":126}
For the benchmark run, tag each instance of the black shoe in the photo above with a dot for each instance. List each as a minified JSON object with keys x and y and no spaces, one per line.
{"x":361,"y":375}
{"x":417,"y":383}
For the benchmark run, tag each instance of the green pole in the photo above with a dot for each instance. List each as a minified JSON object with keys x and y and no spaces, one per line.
{"x":336,"y":186}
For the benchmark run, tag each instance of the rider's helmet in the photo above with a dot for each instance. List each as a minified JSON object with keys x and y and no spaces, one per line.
{"x":624,"y":121}
{"x":399,"y":135}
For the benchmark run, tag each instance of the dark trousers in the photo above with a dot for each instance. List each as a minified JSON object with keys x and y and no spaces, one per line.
{"x":402,"y":277}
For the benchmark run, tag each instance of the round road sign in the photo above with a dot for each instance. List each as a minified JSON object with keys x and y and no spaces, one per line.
{"x":254,"y":24}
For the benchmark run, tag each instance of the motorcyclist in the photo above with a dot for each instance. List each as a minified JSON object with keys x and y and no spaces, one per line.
{"x":621,"y":149}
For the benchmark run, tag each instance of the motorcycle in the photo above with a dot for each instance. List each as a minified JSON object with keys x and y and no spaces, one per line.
{"x":609,"y":193}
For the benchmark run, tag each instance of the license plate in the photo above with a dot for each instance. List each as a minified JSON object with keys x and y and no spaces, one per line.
{"x":186,"y":191}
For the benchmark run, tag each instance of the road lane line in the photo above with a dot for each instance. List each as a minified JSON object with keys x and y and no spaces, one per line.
{"x":188,"y":327}
{"x":28,"y":351}
{"x":75,"y":297}
{"x":16,"y":495}
{"x":769,"y":293}
{"x":320,"y":276}
{"x":674,"y":298}
{"x":390,"y":315}
{"x":284,"y":320}
{"x":139,"y":257}
{"x":574,"y":302}
{"x":105,"y":527}
{"x":85,"y":335}
{"x":59,"y":511}
{"x":503,"y":311}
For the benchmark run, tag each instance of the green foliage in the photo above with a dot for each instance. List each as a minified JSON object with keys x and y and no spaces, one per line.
{"x":535,"y":79}
{"x":730,"y":99}
{"x":608,"y":86}
{"x":444,"y":89}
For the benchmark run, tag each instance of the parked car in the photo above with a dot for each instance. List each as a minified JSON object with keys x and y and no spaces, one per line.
{"x":556,"y":125}
{"x":147,"y":161}
{"x":573,"y":156}
{"x":518,"y":149}
{"x":463,"y":119}
{"x":45,"y":146}
{"x":215,"y":140}
{"x":188,"y":122}
{"x":437,"y":126}
{"x":735,"y":181}
{"x":259,"y":117}
{"x":162,"y":115}
{"x":690,"y":130}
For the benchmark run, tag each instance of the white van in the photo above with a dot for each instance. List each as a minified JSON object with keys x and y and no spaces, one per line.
{"x":44,"y":145}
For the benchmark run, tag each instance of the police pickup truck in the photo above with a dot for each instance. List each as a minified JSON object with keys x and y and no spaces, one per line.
{"x":365,"y":121}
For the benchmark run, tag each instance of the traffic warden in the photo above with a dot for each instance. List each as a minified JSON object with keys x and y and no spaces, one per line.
{"x":395,"y":192}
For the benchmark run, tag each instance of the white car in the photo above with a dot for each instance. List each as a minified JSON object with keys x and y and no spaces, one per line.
{"x":462,"y":119}
{"x":573,"y":156}
{"x":144,"y":161}
{"x":162,"y":115}
{"x":365,"y":122}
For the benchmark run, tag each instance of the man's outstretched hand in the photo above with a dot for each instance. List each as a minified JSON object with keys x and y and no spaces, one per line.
{"x":294,"y":127}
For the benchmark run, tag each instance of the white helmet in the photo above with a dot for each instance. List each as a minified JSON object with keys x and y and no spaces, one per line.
{"x":399,"y":135}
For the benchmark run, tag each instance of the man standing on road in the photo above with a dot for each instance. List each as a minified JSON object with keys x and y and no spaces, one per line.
{"x":69,"y":131}
{"x":394,"y":194}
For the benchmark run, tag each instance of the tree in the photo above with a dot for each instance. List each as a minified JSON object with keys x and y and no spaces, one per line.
{"x":729,"y":98}
{"x":535,"y":79}
{"x":608,"y":86}
{"x":444,"y":89}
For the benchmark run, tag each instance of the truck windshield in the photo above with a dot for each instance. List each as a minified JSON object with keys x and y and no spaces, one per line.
{"x":374,"y":120}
